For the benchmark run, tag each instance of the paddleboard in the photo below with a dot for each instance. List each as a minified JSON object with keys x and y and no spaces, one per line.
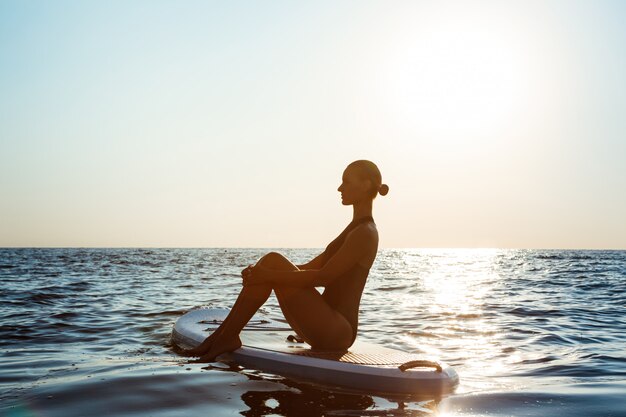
{"x":270,"y":346}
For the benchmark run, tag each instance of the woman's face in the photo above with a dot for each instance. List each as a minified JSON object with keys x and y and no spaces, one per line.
{"x":353,"y":189}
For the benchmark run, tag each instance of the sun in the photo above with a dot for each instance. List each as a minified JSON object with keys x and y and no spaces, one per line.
{"x":458,"y":78}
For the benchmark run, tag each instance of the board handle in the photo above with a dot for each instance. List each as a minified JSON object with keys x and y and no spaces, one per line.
{"x":294,"y":339}
{"x":420,"y":364}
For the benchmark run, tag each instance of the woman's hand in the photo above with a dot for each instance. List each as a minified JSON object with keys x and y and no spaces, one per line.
{"x":246,"y":274}
{"x":253,"y":275}
{"x":246,"y":271}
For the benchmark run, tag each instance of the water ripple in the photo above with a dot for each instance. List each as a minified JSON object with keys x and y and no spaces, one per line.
{"x":504,"y":318}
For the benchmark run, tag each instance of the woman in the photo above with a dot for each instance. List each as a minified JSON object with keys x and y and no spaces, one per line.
{"x":325,"y":321}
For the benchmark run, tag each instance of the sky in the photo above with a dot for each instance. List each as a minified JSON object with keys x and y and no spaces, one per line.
{"x":229,"y":124}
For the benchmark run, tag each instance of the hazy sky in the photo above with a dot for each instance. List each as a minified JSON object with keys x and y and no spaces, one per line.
{"x":151,"y":123}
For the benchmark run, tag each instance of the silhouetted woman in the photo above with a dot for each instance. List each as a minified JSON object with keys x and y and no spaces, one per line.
{"x":326,"y":321}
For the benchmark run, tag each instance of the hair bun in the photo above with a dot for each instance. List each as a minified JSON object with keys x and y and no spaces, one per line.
{"x":384,"y":189}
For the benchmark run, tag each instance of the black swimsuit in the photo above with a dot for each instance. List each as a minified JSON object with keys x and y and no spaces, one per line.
{"x":343,"y":294}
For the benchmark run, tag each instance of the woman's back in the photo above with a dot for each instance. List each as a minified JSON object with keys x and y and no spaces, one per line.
{"x":343,"y":294}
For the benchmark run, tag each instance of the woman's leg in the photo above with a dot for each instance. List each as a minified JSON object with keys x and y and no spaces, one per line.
{"x":308,"y":314}
{"x":313,"y":319}
{"x":248,"y":298}
{"x":226,"y":337}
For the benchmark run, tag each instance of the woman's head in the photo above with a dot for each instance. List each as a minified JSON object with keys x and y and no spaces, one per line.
{"x":361,"y":180}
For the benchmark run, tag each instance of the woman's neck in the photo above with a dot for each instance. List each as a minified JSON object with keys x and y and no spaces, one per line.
{"x":360,"y":210}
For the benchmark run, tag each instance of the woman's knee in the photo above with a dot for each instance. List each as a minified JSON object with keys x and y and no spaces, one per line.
{"x":275,"y":260}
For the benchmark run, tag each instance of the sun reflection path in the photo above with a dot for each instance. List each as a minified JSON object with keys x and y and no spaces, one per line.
{"x":450,"y":291}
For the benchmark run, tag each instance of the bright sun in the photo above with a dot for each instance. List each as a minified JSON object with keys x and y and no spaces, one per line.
{"x":459,"y":78}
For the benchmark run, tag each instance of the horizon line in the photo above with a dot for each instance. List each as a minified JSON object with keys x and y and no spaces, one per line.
{"x":310,"y":247}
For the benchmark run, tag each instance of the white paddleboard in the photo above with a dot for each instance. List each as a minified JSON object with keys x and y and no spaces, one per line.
{"x":364,"y":367}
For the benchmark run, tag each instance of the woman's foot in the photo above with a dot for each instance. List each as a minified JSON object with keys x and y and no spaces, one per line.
{"x":203,"y":347}
{"x":219,"y":347}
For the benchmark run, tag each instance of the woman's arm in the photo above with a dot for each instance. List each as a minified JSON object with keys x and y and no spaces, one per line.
{"x":357,"y":245}
{"x":315,"y":263}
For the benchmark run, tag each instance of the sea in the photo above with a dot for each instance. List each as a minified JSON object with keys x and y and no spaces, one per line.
{"x":86,"y":332}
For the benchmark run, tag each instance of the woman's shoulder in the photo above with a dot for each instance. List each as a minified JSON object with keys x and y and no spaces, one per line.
{"x":366,"y":237}
{"x":365,"y":230}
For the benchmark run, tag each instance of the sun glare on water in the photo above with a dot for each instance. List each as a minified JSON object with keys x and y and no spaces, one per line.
{"x":453,"y":288}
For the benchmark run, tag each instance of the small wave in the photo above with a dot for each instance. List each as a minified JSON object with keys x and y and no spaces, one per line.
{"x":576,"y":370}
{"x":544,"y":359}
{"x":607,"y":358}
{"x":525,"y":312}
{"x":593,"y":286}
{"x":66,"y":315}
{"x":554,"y":339}
{"x":45,"y":298}
{"x":393,"y":288}
{"x":550,"y":257}
{"x":167,"y":313}
{"x":79,"y":285}
{"x":561,"y":256}
{"x":418,"y":333}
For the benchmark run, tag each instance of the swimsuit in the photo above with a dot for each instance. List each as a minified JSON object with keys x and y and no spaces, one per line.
{"x":343,"y":294}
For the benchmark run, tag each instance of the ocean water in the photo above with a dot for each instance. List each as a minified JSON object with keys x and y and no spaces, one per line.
{"x":86,"y":332}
